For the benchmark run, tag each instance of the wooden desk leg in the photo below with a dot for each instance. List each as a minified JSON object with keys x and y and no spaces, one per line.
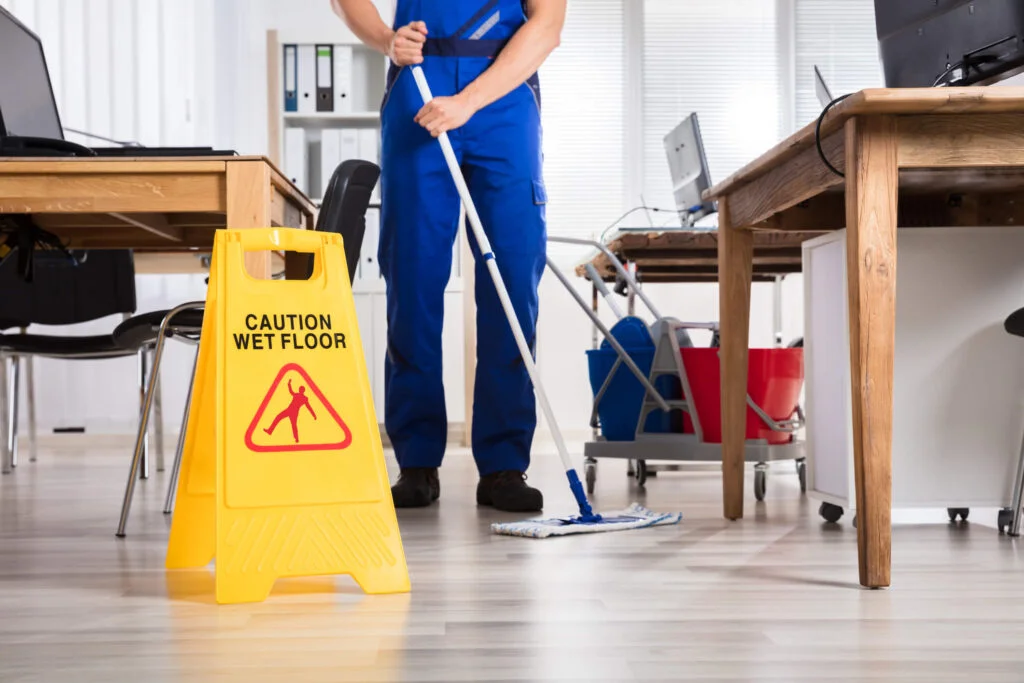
{"x":296,"y":265}
{"x":872,"y":178}
{"x":248,"y":206}
{"x":735,"y":272}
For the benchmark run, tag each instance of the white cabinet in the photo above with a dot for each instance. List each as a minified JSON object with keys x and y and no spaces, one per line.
{"x":958,"y":392}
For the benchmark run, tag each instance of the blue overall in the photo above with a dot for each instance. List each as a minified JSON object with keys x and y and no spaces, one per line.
{"x":499,"y":151}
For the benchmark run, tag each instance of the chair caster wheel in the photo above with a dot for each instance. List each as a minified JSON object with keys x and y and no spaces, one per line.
{"x":1004,"y":520}
{"x":962,"y":513}
{"x":830,"y":513}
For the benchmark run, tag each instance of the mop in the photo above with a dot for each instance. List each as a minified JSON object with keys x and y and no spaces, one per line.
{"x":633,"y":517}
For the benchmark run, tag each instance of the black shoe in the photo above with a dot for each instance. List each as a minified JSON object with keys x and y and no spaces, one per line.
{"x":507,"y":491}
{"x":417,"y":487}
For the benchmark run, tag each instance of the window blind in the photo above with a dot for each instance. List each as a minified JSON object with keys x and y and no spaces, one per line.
{"x":839,"y":37}
{"x":718,"y":59}
{"x":583,"y":117}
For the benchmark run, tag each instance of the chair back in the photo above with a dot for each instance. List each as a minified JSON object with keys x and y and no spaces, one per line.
{"x":62,"y":293}
{"x":343,"y":209}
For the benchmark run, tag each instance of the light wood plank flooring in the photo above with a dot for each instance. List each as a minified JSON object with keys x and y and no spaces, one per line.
{"x":773,"y":597}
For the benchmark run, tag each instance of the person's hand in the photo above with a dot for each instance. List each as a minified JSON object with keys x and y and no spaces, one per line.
{"x":407,"y":44}
{"x":443,"y":114}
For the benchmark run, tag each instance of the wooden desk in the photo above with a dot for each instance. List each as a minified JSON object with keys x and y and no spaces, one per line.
{"x":692,"y":255}
{"x":913,"y":157}
{"x":153,"y":204}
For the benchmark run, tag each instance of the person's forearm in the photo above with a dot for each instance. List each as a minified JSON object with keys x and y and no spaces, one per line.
{"x":519,"y":60}
{"x":363,"y":19}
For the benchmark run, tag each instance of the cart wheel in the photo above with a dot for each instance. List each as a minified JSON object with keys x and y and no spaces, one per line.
{"x":630,"y":468}
{"x":1005,"y":520}
{"x":801,"y":472}
{"x":961,"y":512}
{"x":590,"y":472}
{"x":760,"y":484}
{"x":641,"y":472}
{"x":830,"y":513}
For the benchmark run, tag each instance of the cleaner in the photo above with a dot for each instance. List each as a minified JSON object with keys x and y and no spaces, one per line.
{"x":635,"y":516}
{"x":482,"y":56}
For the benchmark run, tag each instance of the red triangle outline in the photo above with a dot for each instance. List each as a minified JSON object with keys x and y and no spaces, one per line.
{"x":299,"y":446}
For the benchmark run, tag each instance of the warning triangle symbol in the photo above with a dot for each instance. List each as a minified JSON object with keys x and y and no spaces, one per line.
{"x":296,"y":416}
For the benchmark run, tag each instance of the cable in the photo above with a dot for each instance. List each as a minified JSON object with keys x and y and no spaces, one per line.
{"x":642,"y":207}
{"x":945,"y":73}
{"x":817,"y":134}
{"x":121,"y":143}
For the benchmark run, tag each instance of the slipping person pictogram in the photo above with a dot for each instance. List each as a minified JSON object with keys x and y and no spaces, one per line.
{"x":299,"y":401}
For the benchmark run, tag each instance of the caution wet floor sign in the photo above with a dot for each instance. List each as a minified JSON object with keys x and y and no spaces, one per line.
{"x":283,"y":471}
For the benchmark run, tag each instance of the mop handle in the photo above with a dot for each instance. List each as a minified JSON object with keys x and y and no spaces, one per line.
{"x":595,"y":278}
{"x":492,"y":266}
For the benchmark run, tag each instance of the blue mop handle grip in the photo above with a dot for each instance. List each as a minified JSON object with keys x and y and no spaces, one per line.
{"x":586,"y":512}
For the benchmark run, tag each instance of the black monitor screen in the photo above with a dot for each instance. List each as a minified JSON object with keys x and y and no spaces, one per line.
{"x":27,"y":107}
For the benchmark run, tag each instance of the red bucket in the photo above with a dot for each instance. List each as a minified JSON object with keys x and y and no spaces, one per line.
{"x":774,"y":380}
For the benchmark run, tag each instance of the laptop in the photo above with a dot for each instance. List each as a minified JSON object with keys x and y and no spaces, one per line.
{"x":688,"y":166}
{"x":30,"y":124}
{"x":821,"y":88}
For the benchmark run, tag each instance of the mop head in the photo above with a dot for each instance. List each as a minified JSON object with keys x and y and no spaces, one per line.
{"x":634,"y":517}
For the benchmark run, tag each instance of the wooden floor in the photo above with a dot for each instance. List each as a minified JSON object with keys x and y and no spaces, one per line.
{"x":773,"y":597}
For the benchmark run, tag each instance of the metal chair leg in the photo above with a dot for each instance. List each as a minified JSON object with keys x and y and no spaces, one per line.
{"x":141,"y":438}
{"x":5,"y":454}
{"x":1018,"y":495}
{"x":12,"y":410}
{"x":172,"y":486}
{"x":158,"y":417}
{"x":143,"y":362}
{"x":30,"y":382}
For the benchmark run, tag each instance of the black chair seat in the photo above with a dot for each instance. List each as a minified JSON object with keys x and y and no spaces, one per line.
{"x":74,"y":348}
{"x":142,"y":329}
{"x":1015,"y":323}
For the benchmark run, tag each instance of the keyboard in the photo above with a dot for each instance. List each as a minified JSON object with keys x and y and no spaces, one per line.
{"x":162,"y":152}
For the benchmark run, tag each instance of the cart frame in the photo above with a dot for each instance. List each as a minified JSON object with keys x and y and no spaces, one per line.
{"x":671,"y":447}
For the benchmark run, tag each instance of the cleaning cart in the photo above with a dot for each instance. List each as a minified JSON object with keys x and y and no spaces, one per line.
{"x":657,"y":396}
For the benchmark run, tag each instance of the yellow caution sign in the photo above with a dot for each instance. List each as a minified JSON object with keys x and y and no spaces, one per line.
{"x":283,"y":471}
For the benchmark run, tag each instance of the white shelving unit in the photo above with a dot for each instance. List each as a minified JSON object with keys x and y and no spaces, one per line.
{"x":361,"y":114}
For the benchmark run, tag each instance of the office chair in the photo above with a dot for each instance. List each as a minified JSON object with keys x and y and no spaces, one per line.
{"x":63,"y":292}
{"x":342,"y":211}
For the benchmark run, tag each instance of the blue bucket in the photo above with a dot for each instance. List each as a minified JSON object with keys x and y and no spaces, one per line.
{"x":619,"y":410}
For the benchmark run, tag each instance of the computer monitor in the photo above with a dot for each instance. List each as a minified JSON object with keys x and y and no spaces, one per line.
{"x":27,"y":106}
{"x":689,"y":169}
{"x":927,"y":43}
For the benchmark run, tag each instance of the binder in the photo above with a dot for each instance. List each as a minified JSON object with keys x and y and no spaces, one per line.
{"x":324,"y":78}
{"x":306,"y":79}
{"x":330,"y":156}
{"x":295,"y":157}
{"x":291,"y":100}
{"x":369,"y":150}
{"x":349,"y":144}
{"x":370,"y":271}
{"x":343,"y":79}
{"x":368,"y":145}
